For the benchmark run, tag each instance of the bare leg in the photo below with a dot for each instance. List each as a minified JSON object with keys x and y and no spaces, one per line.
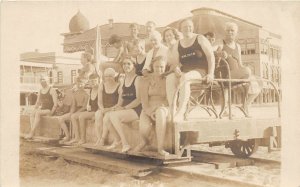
{"x":108,"y":127}
{"x":82,"y":119}
{"x":185,"y":93}
{"x":36,"y":121}
{"x":171,"y":86}
{"x":74,"y":119}
{"x":118,"y":118}
{"x":62,"y":121}
{"x":161,"y":124}
{"x":98,"y":125}
{"x":145,"y":126}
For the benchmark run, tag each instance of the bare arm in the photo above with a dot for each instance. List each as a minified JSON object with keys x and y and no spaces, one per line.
{"x":54,"y":98}
{"x":85,"y":102}
{"x":119,"y":55}
{"x":100,"y":101}
{"x":209,"y":53}
{"x":38,"y":101}
{"x":240,"y":54}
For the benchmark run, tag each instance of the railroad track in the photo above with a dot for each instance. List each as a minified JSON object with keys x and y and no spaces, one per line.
{"x":204,"y":156}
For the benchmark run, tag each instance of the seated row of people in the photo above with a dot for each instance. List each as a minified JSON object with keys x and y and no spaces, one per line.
{"x":147,"y":90}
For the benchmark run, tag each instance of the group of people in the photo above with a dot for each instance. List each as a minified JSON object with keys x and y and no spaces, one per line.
{"x":152,"y":69}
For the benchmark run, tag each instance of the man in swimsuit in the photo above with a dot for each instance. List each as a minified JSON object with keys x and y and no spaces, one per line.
{"x":231,"y":51}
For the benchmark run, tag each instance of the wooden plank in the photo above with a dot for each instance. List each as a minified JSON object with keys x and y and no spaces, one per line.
{"x":80,"y":156}
{"x":150,"y":156}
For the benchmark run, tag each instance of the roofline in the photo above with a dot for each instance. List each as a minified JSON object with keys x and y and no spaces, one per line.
{"x":226,"y":14}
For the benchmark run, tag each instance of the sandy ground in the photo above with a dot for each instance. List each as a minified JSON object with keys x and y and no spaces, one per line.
{"x":36,"y":171}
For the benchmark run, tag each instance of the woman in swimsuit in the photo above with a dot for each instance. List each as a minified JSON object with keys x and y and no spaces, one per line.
{"x":195,"y":59}
{"x":155,"y":106}
{"x":108,"y":95}
{"x":129,"y":106}
{"x":92,"y":107}
{"x":45,"y":105}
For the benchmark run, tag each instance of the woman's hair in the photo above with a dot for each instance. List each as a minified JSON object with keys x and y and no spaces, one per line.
{"x":210,"y":34}
{"x":184,"y":20}
{"x":128,"y":58}
{"x":158,"y":59}
{"x":88,"y":56}
{"x":114,"y":39}
{"x":156,"y":34}
{"x":174,"y":31}
{"x":93,"y":76}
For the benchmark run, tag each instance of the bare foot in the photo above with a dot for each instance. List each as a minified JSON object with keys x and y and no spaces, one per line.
{"x":73,"y":141}
{"x":114,"y":145}
{"x":163,"y":153}
{"x":64,"y":140}
{"x":81,"y":142}
{"x":139,"y":147}
{"x":125,"y":148}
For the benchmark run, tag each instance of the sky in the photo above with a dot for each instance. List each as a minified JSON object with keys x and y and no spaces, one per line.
{"x":26,"y":26}
{"x":37,"y":25}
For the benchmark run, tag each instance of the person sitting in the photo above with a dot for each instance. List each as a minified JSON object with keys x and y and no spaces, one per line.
{"x":211,"y":37}
{"x":88,"y":68}
{"x":92,"y":107}
{"x":231,"y":51}
{"x":117,"y":42}
{"x":134,"y":38}
{"x":150,"y":28}
{"x":195,"y":60}
{"x":45,"y":105}
{"x":171,"y":37}
{"x":108,"y":94}
{"x":63,"y":112}
{"x":155,"y":106}
{"x":80,"y":105}
{"x":128,"y":108}
{"x":158,"y":49}
{"x":138,"y":53}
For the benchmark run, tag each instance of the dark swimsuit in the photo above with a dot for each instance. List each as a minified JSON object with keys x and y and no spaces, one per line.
{"x":110,"y":99}
{"x":93,"y":103}
{"x":46,"y":100}
{"x":139,"y":67}
{"x":129,"y":94}
{"x":192,"y":58}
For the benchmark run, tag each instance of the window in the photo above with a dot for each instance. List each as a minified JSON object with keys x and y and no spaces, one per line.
{"x":59,"y":77}
{"x":265,"y":71}
{"x":250,"y":48}
{"x":73,"y":76}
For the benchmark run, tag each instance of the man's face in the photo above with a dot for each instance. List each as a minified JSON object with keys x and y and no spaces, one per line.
{"x":150,"y":28}
{"x":134,"y":31}
{"x":43,"y":82}
{"x":231,"y":32}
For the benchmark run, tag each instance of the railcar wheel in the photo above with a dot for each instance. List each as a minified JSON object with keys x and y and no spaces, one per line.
{"x":243,"y":149}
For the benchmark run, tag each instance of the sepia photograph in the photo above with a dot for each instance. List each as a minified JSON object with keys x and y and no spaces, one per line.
{"x":149,"y":93}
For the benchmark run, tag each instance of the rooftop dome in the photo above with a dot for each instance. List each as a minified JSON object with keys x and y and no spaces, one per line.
{"x":78,"y":23}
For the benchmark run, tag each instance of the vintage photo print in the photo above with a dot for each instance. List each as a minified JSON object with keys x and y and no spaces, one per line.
{"x":149,"y":93}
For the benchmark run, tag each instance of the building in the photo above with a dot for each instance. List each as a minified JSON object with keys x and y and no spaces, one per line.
{"x":61,"y":69}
